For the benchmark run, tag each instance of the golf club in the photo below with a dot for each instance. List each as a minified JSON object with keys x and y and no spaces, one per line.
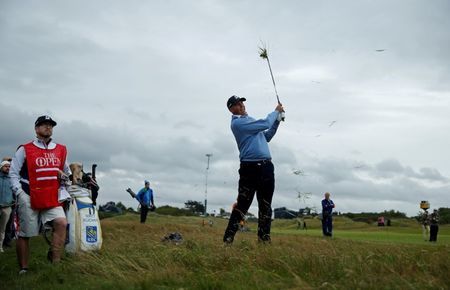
{"x":263,"y":54}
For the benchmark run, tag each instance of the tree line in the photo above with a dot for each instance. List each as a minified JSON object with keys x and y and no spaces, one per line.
{"x":197,"y":208}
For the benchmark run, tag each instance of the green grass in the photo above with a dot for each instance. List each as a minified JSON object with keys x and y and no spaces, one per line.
{"x":360,"y":256}
{"x":402,"y":231}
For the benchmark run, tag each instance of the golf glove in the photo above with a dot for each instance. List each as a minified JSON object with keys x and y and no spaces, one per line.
{"x":281,"y":116}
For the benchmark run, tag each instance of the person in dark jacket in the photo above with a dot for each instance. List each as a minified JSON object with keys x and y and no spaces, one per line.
{"x":145,"y":198}
{"x":434,"y":225}
{"x":327,"y":215}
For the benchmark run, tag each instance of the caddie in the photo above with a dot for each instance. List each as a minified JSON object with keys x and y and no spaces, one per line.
{"x":37,"y":172}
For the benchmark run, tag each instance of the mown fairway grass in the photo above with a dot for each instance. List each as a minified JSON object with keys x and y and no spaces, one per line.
{"x":403,"y":231}
{"x":360,"y":256}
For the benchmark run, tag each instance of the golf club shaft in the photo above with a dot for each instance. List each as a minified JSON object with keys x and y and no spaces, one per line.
{"x":273,"y":80}
{"x":275,"y":87}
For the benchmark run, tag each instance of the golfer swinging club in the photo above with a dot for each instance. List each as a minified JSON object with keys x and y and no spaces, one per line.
{"x":256,"y":172}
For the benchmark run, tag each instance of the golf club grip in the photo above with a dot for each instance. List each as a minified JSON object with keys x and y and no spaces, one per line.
{"x":283,"y":115}
{"x":94,"y":166}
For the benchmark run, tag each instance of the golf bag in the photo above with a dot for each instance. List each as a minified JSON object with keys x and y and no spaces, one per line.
{"x":83,"y":224}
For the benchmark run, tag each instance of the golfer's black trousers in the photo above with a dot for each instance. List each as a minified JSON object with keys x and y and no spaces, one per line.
{"x":144,"y":212}
{"x":254,"y":177}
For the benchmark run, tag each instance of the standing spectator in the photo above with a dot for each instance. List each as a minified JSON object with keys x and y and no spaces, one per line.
{"x":36,"y":173}
{"x":145,"y":198}
{"x":434,"y":227}
{"x":327,"y":215}
{"x":9,"y":231}
{"x":299,"y":223}
{"x":256,"y":172}
{"x":425,"y":221}
{"x":6,"y":199}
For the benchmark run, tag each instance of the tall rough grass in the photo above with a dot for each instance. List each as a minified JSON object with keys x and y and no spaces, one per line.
{"x":134,"y":257}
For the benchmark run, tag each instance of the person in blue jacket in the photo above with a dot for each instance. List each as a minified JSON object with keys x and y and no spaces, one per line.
{"x":145,"y":198}
{"x":256,"y":172}
{"x":6,"y":200}
{"x":327,"y":215}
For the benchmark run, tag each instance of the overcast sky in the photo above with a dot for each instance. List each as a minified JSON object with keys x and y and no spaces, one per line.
{"x":139,"y":87}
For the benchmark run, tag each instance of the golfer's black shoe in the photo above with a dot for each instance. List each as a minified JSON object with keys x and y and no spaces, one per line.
{"x":50,"y":255}
{"x":228,"y":240}
{"x":265,"y":239}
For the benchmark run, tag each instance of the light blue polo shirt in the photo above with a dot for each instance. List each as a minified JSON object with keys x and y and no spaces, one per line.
{"x":252,"y":136}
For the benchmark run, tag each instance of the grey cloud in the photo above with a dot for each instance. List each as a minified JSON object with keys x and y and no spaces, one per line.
{"x":16,"y":127}
{"x":391,"y":168}
{"x":388,"y":168}
{"x":396,"y":189}
{"x":187,"y":124}
{"x":432,"y":174}
{"x":333,"y":170}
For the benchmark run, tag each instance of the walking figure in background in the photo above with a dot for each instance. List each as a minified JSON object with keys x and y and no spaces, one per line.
{"x":145,"y":198}
{"x":434,"y":225}
{"x":6,"y":200}
{"x":301,"y":224}
{"x":256,"y":172}
{"x":38,"y":171}
{"x":327,"y":215}
{"x":425,"y":220}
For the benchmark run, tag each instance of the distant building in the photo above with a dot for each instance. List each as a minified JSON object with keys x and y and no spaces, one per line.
{"x":304,"y":211}
{"x":111,"y":207}
{"x":284,"y":213}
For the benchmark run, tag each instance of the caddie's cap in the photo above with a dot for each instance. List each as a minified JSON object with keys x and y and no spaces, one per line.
{"x":233,"y":100}
{"x":43,"y":119}
{"x":146,"y":182}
